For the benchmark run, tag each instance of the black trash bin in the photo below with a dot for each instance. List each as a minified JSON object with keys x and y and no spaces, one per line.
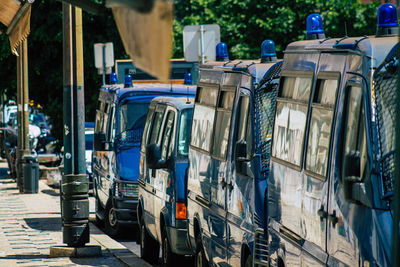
{"x":31,"y":175}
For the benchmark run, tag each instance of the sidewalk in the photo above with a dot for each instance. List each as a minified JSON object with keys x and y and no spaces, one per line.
{"x":31,"y":223}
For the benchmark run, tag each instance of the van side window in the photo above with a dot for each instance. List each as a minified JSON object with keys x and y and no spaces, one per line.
{"x":290,"y":118}
{"x":203,"y":117}
{"x":106,"y":115}
{"x":319,"y":135}
{"x":224,"y":114}
{"x":167,"y":141}
{"x":155,"y":129}
{"x":243,"y":126}
{"x":355,"y":136}
{"x":99,"y":115}
{"x":147,"y":127}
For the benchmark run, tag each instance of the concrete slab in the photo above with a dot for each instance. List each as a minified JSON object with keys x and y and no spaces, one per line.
{"x":79,"y":252}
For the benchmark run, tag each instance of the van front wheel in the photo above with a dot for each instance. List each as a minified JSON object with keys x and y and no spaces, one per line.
{"x":200,"y":258}
{"x":149,"y":248}
{"x":168,"y":257}
{"x":113,"y":228}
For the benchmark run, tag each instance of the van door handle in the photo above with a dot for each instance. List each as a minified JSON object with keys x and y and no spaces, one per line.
{"x":322,"y":213}
{"x":154,"y":190}
{"x":332,"y":218}
{"x":223,"y":184}
{"x":230,"y":186}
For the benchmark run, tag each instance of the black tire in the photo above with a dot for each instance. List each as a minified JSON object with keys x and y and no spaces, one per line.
{"x":168,"y":257}
{"x":98,"y":208}
{"x":149,"y":248}
{"x":249,"y":261}
{"x":112,"y":227}
{"x":200,"y":257}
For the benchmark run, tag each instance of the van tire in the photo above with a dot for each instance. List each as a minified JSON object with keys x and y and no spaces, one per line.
{"x":149,"y":248}
{"x":249,"y":261}
{"x":200,"y":257}
{"x":113,"y":228}
{"x":168,"y":257}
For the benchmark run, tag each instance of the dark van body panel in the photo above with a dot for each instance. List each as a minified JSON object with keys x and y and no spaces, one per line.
{"x":313,"y":219}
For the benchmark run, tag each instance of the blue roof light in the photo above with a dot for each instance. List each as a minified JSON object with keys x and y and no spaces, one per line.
{"x":188,"y":78}
{"x":314,"y":24}
{"x":222,"y":52}
{"x":128,"y":81}
{"x":387,"y":16}
{"x":268,"y":49}
{"x":113,"y":78}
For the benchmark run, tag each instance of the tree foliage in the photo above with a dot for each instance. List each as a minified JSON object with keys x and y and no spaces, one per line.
{"x":244,"y":25}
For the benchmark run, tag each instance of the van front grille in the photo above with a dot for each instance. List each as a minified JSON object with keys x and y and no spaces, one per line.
{"x":260,"y":249}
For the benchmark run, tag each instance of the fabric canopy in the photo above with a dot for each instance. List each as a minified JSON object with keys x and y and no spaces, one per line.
{"x":16,"y":18}
{"x":147,"y":37}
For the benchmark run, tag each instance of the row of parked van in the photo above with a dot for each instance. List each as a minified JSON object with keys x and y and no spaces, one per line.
{"x":265,"y":162}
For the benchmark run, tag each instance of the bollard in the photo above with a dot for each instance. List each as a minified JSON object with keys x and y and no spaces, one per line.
{"x":30,"y":167}
{"x":75,"y":209}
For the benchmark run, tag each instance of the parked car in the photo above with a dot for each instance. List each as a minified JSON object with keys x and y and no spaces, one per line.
{"x":120,"y":117}
{"x":163,"y":180}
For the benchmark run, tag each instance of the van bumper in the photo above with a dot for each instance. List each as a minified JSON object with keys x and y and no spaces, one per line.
{"x":125,"y":201}
{"x":178,"y":237}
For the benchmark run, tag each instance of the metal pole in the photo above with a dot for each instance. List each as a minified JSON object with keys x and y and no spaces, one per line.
{"x":203,"y":56}
{"x":75,"y":186}
{"x":25,"y":100}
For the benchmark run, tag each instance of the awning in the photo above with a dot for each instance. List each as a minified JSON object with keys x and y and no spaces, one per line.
{"x":16,"y":18}
{"x":147,"y":36}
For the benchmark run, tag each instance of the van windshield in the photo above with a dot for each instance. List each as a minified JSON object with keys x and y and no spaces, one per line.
{"x":132,"y":116}
{"x":184,"y":132}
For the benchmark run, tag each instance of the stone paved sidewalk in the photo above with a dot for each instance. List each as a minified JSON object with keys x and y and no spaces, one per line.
{"x":31,"y":223}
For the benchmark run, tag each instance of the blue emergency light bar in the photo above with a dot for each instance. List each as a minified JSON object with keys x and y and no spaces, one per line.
{"x":222,"y":52}
{"x":268,"y":53}
{"x":113,"y":78}
{"x":128,"y":81}
{"x":188,"y":78}
{"x":315,"y":29}
{"x":387,"y":20}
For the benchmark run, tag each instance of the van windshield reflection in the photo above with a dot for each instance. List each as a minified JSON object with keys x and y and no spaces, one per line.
{"x":132,"y":116}
{"x":184,"y":132}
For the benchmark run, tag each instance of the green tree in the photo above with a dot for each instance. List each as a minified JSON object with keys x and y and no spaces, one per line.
{"x":246,"y":23}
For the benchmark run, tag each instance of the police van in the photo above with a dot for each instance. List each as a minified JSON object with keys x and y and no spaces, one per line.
{"x":120,"y":117}
{"x":228,"y":156}
{"x":162,"y":180}
{"x":331,"y":176}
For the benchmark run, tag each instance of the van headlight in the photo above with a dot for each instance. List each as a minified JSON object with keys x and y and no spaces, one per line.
{"x":126,"y":189}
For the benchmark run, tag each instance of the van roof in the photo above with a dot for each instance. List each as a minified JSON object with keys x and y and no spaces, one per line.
{"x":372,"y":46}
{"x":177,"y":102}
{"x":150,"y":89}
{"x":253,"y":67}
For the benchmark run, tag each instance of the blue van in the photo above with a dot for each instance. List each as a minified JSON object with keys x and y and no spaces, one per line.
{"x":120,"y":117}
{"x":163,"y":180}
{"x":330,"y":190}
{"x":228,"y":159}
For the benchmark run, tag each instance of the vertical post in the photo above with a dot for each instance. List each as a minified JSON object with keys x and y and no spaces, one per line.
{"x":23,"y":112}
{"x":104,"y":64}
{"x":75,"y":186}
{"x":203,"y":56}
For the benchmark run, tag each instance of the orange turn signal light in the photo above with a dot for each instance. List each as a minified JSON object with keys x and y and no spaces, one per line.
{"x":180,"y":210}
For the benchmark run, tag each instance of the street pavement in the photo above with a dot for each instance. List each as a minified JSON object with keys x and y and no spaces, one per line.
{"x":31,"y":223}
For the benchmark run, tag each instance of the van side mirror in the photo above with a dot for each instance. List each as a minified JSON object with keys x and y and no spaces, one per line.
{"x":241,"y":151}
{"x":153,"y":157}
{"x":100,"y":143}
{"x":353,"y":187}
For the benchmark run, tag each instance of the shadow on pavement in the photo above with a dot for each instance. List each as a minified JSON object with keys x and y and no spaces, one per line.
{"x":50,"y":192}
{"x":24,"y":257}
{"x":44,"y":224}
